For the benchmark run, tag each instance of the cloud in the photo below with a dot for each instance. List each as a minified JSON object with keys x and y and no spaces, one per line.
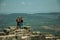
{"x":26,"y":3}
{"x":23,"y":3}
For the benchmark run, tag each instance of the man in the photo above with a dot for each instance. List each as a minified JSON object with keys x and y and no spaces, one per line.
{"x":19,"y":22}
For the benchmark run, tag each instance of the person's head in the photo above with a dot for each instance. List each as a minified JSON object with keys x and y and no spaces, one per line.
{"x":19,"y":17}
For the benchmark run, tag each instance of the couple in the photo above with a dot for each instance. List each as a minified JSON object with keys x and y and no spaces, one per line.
{"x":19,"y":21}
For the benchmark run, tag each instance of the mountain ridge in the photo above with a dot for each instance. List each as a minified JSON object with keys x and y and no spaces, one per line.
{"x":35,"y":20}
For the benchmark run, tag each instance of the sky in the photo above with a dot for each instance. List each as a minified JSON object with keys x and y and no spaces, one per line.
{"x":29,"y":6}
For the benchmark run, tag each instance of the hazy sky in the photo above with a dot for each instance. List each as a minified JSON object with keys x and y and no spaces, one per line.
{"x":29,"y":6}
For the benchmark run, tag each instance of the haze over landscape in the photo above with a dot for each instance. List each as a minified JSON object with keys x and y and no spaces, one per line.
{"x":41,"y":15}
{"x":29,"y":6}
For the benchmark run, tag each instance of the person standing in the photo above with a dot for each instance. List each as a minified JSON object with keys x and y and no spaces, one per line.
{"x":19,"y":22}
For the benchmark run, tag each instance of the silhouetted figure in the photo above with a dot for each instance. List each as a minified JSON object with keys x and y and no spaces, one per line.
{"x":19,"y":22}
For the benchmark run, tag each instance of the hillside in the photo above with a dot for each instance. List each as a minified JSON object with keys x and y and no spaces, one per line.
{"x":36,"y":20}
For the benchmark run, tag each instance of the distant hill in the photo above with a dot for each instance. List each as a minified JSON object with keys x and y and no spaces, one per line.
{"x":36,"y":20}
